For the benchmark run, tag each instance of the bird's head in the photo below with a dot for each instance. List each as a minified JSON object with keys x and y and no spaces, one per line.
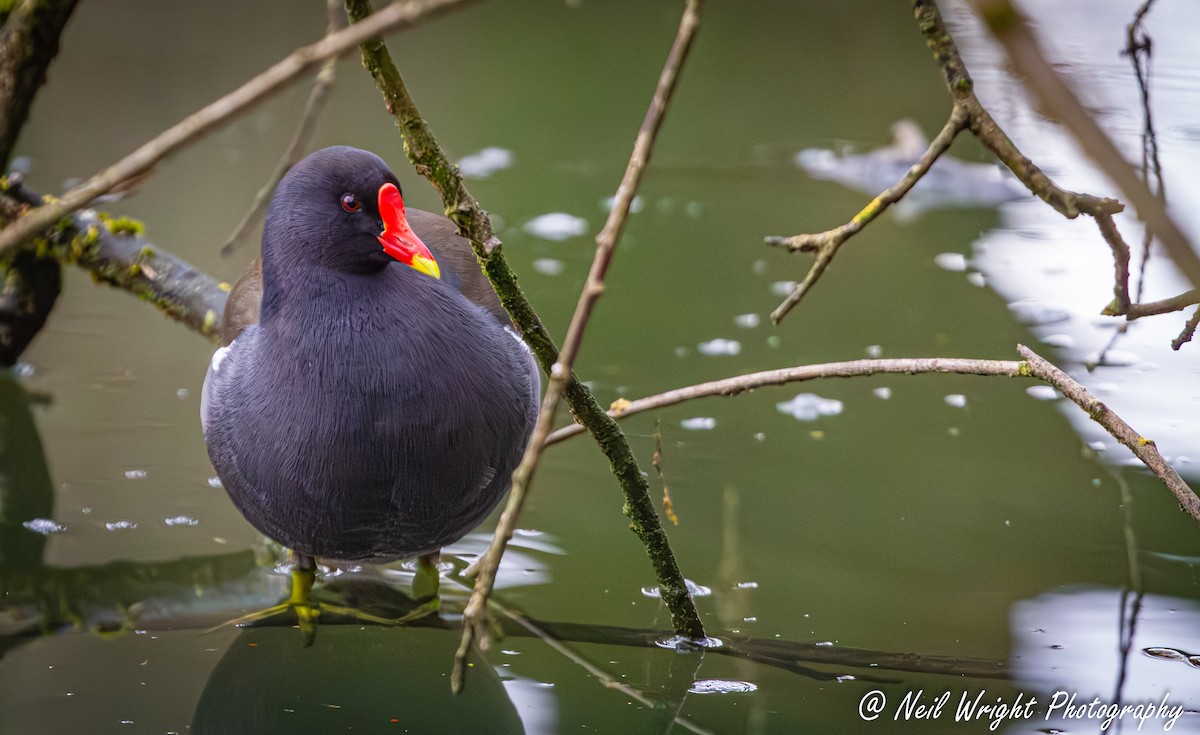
{"x":341,"y":208}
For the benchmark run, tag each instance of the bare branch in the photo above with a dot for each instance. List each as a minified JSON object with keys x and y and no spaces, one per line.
{"x":826,"y":244}
{"x":300,"y":139}
{"x":395,"y":16}
{"x":801,"y":373}
{"x":1059,"y":101}
{"x":475,"y":615}
{"x":1142,"y":447}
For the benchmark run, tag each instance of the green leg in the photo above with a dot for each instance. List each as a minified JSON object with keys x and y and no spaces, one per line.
{"x":427,"y":581}
{"x":308,"y":611}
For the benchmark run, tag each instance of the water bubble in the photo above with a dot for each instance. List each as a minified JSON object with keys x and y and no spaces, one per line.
{"x":976,"y":279}
{"x":486,"y":162}
{"x":181,"y":521}
{"x":747,"y":321}
{"x":1064,"y":341}
{"x":699,"y":423}
{"x":44,"y":526}
{"x":1042,"y":392}
{"x":747,"y":585}
{"x":722,"y":686}
{"x":121,"y":525}
{"x":782,"y":288}
{"x":874,"y":351}
{"x":954,"y":262}
{"x":883,"y":392}
{"x":182,"y":393}
{"x":719,"y":346}
{"x":809,"y":407}
{"x":957,"y":400}
{"x":556,"y":226}
{"x":635,"y":206}
{"x":215,"y":482}
{"x":135,"y":474}
{"x":549,"y":266}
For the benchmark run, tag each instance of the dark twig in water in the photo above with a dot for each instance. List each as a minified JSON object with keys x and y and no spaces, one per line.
{"x":429,"y":160}
{"x":300,"y":140}
{"x":395,"y":16}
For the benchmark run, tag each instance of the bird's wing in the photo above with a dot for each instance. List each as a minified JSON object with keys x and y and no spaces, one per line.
{"x":242,"y":307}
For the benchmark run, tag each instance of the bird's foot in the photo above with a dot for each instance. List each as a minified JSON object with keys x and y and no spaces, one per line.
{"x":308,"y":611}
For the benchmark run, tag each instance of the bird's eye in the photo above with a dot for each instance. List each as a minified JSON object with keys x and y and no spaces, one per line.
{"x":350,"y":203}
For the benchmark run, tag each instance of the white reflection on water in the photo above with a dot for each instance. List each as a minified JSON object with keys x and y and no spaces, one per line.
{"x":1069,"y":641}
{"x":1057,"y":273}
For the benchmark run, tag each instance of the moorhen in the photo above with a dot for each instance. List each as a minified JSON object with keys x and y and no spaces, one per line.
{"x":370,"y":399}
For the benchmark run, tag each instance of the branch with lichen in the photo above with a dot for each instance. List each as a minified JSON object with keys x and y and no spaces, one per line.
{"x":968,"y":113}
{"x":114,"y":251}
{"x":429,"y":160}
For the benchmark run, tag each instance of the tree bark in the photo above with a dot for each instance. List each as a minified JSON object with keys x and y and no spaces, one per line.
{"x":28,"y":43}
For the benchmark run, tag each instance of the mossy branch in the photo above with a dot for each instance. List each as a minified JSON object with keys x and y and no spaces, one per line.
{"x":116,"y":252}
{"x":428,"y":159}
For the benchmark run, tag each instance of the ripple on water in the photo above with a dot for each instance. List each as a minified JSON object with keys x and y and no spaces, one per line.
{"x":722,"y":686}
{"x":695,"y":590}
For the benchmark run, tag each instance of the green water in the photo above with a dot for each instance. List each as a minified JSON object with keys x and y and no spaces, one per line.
{"x":900,"y":525}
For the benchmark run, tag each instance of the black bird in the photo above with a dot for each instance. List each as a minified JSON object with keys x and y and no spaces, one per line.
{"x":370,"y":399}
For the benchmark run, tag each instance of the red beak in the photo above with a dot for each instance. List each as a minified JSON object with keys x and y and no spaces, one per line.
{"x":398,"y":239}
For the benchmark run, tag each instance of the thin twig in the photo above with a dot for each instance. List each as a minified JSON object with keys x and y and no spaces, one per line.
{"x":980,"y":122}
{"x":1142,"y":447}
{"x":1035,"y":366}
{"x":300,"y":139}
{"x":1059,"y":101}
{"x":826,"y":244}
{"x":430,"y":161}
{"x":475,"y":628}
{"x":395,"y":16}
{"x":850,"y":369}
{"x":1189,"y":330}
